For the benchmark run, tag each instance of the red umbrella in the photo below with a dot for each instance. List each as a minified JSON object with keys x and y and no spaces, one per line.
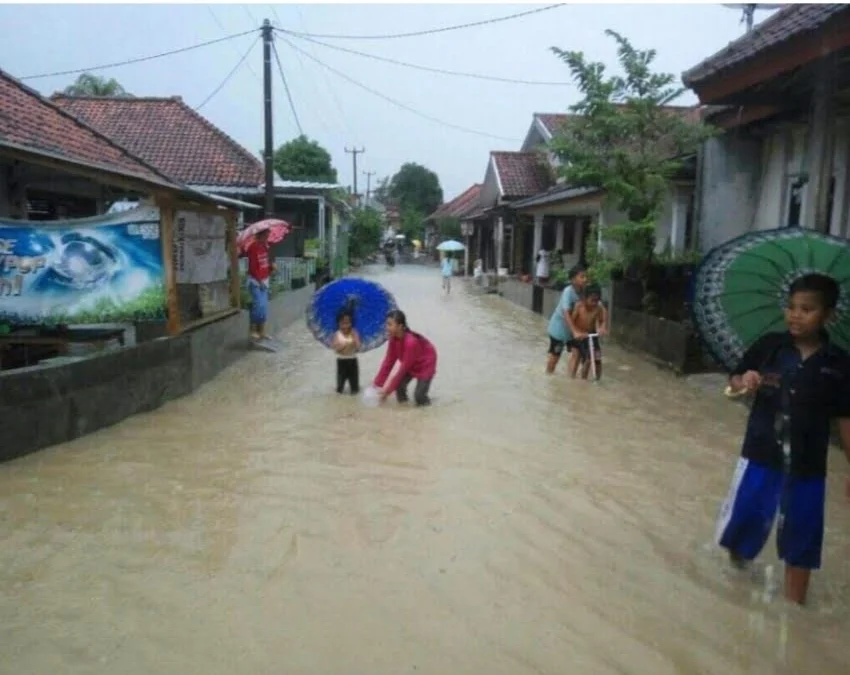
{"x":277,"y":230}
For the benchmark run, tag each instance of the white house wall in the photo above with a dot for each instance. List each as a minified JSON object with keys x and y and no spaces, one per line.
{"x":746,"y":181}
{"x":490,"y":189}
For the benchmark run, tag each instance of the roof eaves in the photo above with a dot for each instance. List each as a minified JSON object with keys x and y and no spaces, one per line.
{"x":101,"y":168}
{"x":118,"y":170}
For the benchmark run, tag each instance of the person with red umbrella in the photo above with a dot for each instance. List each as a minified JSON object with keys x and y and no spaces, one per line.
{"x":253,"y":243}
{"x":260,"y":269}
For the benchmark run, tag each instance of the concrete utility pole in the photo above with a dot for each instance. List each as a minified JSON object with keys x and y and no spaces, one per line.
{"x":368,"y":175}
{"x":354,"y":152}
{"x":268,"y":151}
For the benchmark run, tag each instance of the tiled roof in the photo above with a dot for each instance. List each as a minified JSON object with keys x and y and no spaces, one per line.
{"x":460,"y":206}
{"x":31,"y":122}
{"x":168,"y":134}
{"x":787,"y":23}
{"x":553,"y":121}
{"x":521,"y":174}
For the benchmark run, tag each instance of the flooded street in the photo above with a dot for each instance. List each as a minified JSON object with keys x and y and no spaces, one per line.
{"x":523,"y":524}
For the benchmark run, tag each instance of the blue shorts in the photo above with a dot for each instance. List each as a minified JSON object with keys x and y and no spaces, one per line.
{"x":259,"y":301}
{"x":746,"y":517}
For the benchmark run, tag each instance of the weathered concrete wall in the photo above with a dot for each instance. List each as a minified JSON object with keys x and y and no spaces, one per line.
{"x":42,"y":406}
{"x":730,"y":188}
{"x":517,"y":292}
{"x":666,"y":342}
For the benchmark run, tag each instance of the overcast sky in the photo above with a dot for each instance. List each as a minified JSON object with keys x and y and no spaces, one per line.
{"x":49,"y":38}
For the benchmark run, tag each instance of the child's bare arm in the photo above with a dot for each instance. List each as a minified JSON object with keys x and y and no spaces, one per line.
{"x":356,"y":337}
{"x":602,"y":321}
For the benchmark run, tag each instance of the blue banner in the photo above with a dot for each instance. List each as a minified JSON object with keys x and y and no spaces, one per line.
{"x":98,"y":270}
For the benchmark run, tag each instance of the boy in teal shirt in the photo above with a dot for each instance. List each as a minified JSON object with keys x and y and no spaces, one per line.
{"x":561,"y":326}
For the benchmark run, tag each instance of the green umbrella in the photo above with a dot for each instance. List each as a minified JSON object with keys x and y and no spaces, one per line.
{"x":741,"y":287}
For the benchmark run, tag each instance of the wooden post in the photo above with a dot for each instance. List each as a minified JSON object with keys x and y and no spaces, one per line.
{"x":235,"y":282}
{"x":166,"y":235}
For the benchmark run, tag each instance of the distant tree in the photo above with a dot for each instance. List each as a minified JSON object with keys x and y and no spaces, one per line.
{"x":412,"y":224}
{"x":88,"y":84}
{"x":625,"y":139}
{"x":449,"y":228}
{"x":381,"y":191}
{"x":303,"y":159}
{"x":416,"y":188}
{"x":367,"y":232}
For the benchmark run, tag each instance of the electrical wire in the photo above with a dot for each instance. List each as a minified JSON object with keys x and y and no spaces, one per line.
{"x":224,"y":30}
{"x":286,"y":87}
{"x":441,"y":71}
{"x":431,"y":31}
{"x":343,"y":118}
{"x":393,"y":101}
{"x":228,"y":76}
{"x":140,"y":59}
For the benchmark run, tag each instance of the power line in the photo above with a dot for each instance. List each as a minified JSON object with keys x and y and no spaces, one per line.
{"x":441,"y":71}
{"x":141,"y":59}
{"x":325,"y":80}
{"x":394,"y":102}
{"x":229,"y":75}
{"x":432,"y":31}
{"x":224,"y":30}
{"x":286,"y":87}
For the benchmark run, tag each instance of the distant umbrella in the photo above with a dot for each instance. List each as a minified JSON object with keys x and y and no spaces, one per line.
{"x":368,"y":302}
{"x":451,"y":246}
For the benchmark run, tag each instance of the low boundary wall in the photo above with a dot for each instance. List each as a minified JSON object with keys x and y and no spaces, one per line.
{"x":44,"y":405}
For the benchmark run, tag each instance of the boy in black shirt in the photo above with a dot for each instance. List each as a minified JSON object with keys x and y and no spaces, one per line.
{"x":802,"y":382}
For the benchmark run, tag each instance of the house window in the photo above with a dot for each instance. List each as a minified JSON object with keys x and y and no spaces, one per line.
{"x":795,"y":191}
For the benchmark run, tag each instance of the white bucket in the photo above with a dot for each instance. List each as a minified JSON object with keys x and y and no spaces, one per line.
{"x":371,"y":398}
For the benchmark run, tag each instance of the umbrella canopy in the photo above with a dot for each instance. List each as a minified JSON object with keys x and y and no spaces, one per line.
{"x":277,"y":230}
{"x":451,"y":245}
{"x":417,"y":243}
{"x":369,"y":303}
{"x":741,"y":287}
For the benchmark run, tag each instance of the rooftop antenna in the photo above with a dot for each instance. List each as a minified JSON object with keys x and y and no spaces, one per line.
{"x":749,"y":11}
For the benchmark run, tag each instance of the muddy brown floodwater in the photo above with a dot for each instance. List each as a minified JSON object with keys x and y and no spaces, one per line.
{"x":523,"y":524}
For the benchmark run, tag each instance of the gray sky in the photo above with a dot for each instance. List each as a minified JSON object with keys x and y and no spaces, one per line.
{"x":50,"y":38}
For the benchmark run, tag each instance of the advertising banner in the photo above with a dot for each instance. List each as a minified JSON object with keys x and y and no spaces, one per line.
{"x":96,"y":270}
{"x":200,"y":251}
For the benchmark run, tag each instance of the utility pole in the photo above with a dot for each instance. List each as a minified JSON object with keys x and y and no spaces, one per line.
{"x":368,"y":175}
{"x":354,"y":154}
{"x":268,"y":151}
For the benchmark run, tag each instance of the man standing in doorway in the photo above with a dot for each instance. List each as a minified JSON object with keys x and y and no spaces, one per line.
{"x":259,"y":276}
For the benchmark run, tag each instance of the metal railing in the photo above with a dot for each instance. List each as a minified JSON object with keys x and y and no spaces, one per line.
{"x":288,"y":269}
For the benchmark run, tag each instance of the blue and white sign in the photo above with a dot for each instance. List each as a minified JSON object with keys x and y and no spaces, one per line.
{"x":97,"y":270}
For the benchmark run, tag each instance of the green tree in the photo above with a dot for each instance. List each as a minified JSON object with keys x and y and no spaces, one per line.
{"x":627,"y":140}
{"x":449,"y":228}
{"x":88,"y":84}
{"x":412,"y":224}
{"x":304,"y":159}
{"x":416,"y":188}
{"x":367,"y":231}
